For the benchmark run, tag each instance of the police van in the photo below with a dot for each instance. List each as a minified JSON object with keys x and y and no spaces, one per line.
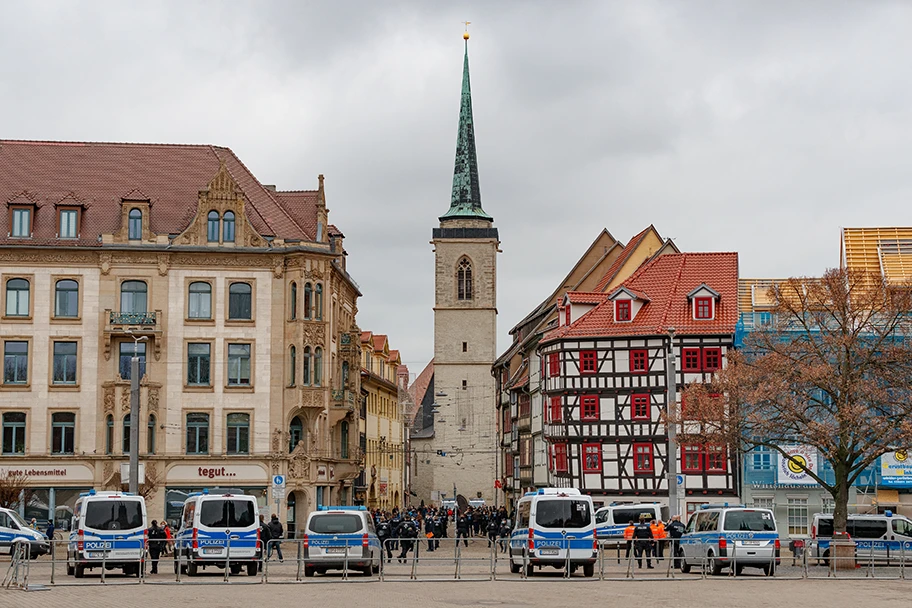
{"x":218,"y":527}
{"x":724,"y":536}
{"x":554,"y":527}
{"x":108,"y":531}
{"x":337,"y":538}
{"x":611,"y":521}
{"x":15,"y":532}
{"x":882,"y":537}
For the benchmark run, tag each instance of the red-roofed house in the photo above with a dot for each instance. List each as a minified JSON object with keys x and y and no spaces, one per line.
{"x":237,"y":294}
{"x":605,"y":379}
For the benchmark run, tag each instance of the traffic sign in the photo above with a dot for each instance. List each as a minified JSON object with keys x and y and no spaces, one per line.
{"x":680,"y":480}
{"x":278,"y":481}
{"x":278,"y":494}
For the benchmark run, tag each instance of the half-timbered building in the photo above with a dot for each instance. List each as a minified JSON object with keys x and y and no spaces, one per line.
{"x":604,"y":370}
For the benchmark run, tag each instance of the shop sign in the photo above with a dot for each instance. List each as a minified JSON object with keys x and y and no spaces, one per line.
{"x":794,"y":467}
{"x":36,"y":474}
{"x":216,"y":472}
{"x":896,"y":469}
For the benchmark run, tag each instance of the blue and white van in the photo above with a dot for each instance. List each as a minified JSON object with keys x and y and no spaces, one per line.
{"x":108,"y":531}
{"x":14,"y":532}
{"x":611,"y":521}
{"x":884,"y":537}
{"x":554,"y":527}
{"x":336,"y":538}
{"x":724,"y":536}
{"x":218,"y":528}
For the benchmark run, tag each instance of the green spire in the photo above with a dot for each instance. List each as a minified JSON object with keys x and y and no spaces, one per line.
{"x":466,"y":201}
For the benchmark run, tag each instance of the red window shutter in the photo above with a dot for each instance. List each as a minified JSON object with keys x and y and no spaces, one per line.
{"x":588,"y":362}
{"x":556,"y":413}
{"x":622,"y":310}
{"x":592,"y":458}
{"x":560,"y":457}
{"x":567,"y":312}
{"x":640,"y":407}
{"x":554,"y":364}
{"x":589,"y":407}
{"x":690,"y":359}
{"x":639,"y":361}
{"x":712,"y":359}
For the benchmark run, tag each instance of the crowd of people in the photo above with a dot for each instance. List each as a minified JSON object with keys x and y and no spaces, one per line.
{"x":649,"y":538}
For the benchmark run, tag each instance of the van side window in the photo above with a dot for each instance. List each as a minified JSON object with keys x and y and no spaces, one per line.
{"x":523,"y":514}
{"x":601,"y":517}
{"x":4,"y":521}
{"x":707,"y":522}
{"x":870,"y":528}
{"x":901,"y":526}
{"x":691,"y":523}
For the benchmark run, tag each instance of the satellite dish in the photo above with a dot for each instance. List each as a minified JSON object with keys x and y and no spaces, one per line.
{"x":461,"y":503}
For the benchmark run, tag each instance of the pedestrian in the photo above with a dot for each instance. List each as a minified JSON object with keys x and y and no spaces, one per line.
{"x":675,"y":531}
{"x":462,"y":530}
{"x":277,"y":532}
{"x":642,"y":543}
{"x":34,"y":524}
{"x":265,"y":537}
{"x":169,"y":542}
{"x":493,"y":530}
{"x":628,"y":538}
{"x":384,"y":531}
{"x":504,"y":534}
{"x":156,"y":538}
{"x":429,"y":531}
{"x":408,"y":532}
{"x":50,"y":530}
{"x":658,"y":533}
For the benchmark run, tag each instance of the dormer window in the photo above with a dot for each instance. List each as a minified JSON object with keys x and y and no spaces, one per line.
{"x":622,"y":310}
{"x":69,"y":222}
{"x":22,"y":222}
{"x":703,"y":308}
{"x":135,"y":225}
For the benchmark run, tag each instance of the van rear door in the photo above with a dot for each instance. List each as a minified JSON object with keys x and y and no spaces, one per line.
{"x":225,"y":521}
{"x":114,"y":528}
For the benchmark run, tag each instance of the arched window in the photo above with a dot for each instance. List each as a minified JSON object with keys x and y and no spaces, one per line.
{"x":295,"y":433}
{"x":126,"y":434}
{"x":66,"y":298}
{"x":305,"y":379}
{"x":212,"y":227}
{"x":293,"y":361}
{"x":17,"y":298}
{"x":318,"y":365}
{"x":228,"y":227}
{"x":308,"y":301}
{"x":135,"y":225}
{"x":200,"y":306}
{"x":150,"y":441}
{"x":133,"y":297}
{"x":240,"y":301}
{"x":294,"y":300}
{"x":343,"y":439}
{"x":464,"y":280}
{"x":318,"y":302}
{"x":109,"y":434}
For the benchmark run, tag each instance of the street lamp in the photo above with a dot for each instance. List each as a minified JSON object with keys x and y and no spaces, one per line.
{"x":134,"y":413}
{"x":671,"y":399}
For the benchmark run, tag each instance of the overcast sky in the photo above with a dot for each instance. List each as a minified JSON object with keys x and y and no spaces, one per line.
{"x":755,"y":127}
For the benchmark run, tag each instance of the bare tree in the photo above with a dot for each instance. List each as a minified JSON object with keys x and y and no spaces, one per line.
{"x":14,"y":490}
{"x":832,"y":370}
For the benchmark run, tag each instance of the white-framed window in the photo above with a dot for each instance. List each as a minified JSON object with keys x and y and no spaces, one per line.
{"x":797,"y":516}
{"x":764,"y":502}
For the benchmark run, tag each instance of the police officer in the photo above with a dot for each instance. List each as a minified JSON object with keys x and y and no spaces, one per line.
{"x":493,"y":529}
{"x":384,"y":531}
{"x":642,"y":543}
{"x":395,"y":524}
{"x":156,"y":540}
{"x":462,"y":529}
{"x":675,"y":531}
{"x":628,"y":538}
{"x":408,"y":532}
{"x":430,"y":530}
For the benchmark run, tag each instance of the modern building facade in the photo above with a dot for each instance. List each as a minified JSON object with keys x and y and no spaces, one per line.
{"x":466,"y":245}
{"x":233,"y":295}
{"x":383,"y":423}
{"x":605,"y":380}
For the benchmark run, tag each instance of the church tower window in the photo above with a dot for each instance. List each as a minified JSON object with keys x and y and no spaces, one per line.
{"x":464,"y":280}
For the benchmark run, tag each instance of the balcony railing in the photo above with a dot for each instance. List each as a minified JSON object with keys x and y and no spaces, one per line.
{"x":133,"y":318}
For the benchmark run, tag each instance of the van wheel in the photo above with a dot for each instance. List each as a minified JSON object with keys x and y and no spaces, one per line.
{"x":375,"y":569}
{"x":192,"y":569}
{"x":79,"y":571}
{"x":309,"y":571}
{"x":715,"y":567}
{"x":739,"y":569}
{"x":251,"y":569}
{"x":70,"y":569}
{"x":769,"y":569}
{"x":529,"y":571}
{"x":514,"y":568}
{"x":235,"y":569}
{"x":589,"y":570}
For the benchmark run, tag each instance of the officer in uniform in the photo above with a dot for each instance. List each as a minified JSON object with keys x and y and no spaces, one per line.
{"x":384,"y":531}
{"x":642,"y":542}
{"x":675,"y":531}
{"x":462,"y":529}
{"x":408,"y":532}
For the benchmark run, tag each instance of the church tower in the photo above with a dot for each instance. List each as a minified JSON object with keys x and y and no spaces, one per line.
{"x":465,"y":326}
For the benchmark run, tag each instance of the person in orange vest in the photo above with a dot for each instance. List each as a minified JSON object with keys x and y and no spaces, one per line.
{"x":658,"y":533}
{"x":628,"y":538}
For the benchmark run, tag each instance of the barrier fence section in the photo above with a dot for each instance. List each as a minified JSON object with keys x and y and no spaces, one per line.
{"x":445,"y":559}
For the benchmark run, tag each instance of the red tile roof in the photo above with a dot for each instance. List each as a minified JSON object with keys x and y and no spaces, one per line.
{"x":302,"y":205}
{"x":365,"y":337}
{"x":379,"y":342}
{"x":622,"y":259}
{"x":170,"y":176}
{"x":586,"y":297}
{"x":418,"y":388}
{"x":667,"y":280}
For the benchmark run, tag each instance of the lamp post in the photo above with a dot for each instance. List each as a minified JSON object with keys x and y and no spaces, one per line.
{"x":671,"y":403}
{"x":134,"y":414}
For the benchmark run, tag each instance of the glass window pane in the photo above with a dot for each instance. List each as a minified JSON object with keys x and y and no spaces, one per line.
{"x":238,"y":364}
{"x":228,"y":227}
{"x":15,"y":362}
{"x":17,"y":298}
{"x":198,"y":364}
{"x":200,"y":300}
{"x":212,"y":228}
{"x":68,"y":224}
{"x":135,"y":225}
{"x":64,"y":363}
{"x":133,"y":296}
{"x":22,"y":222}
{"x":67,"y":299}
{"x":126,"y":355}
{"x":239,"y":301}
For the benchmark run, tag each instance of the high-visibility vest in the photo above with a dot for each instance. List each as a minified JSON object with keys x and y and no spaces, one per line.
{"x":658,"y":530}
{"x":628,"y":532}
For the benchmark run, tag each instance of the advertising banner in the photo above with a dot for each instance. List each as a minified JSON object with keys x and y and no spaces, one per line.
{"x":896,"y":469}
{"x":791,"y":469}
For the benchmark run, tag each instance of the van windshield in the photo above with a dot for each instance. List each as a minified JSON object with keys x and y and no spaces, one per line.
{"x":749,"y":521}
{"x":333,"y":523}
{"x":562,"y":514}
{"x":227,"y":513}
{"x":627,"y":514}
{"x":114,"y":515}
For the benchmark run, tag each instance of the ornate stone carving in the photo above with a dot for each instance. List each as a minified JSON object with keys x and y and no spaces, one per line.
{"x":105,"y":262}
{"x":107,"y":473}
{"x":153,"y":399}
{"x":163,"y":264}
{"x":125,"y":399}
{"x":314,"y":333}
{"x":278,"y":267}
{"x":109,"y":398}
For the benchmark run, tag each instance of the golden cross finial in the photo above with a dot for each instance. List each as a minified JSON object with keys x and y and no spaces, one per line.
{"x":466,"y":34}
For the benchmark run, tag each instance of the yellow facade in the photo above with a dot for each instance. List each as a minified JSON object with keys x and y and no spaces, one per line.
{"x":383,"y":424}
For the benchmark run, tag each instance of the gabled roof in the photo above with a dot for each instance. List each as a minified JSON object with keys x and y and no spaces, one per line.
{"x":622,"y":259}
{"x":418,"y":389}
{"x":633,"y":293}
{"x":380,"y":342}
{"x":585,"y":297}
{"x":170,"y":176}
{"x":668,"y":279}
{"x":703,"y":287}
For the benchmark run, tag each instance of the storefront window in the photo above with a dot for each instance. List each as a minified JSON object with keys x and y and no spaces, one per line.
{"x":38,"y":506}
